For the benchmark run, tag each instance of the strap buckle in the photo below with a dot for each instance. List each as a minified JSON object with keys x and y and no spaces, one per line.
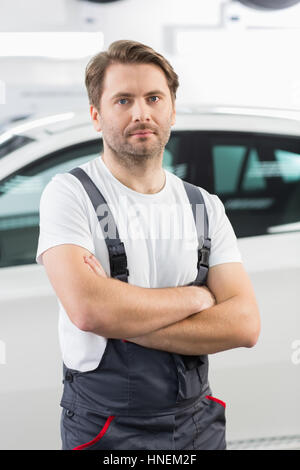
{"x":118,"y":260}
{"x":203,"y":253}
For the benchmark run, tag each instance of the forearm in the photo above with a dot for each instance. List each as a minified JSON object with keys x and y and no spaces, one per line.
{"x":228,"y":325}
{"x":127,"y":310}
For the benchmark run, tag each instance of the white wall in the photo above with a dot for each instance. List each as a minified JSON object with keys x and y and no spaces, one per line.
{"x":226,"y":66}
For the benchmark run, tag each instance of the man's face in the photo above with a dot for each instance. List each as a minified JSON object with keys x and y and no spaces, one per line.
{"x":136,"y":111}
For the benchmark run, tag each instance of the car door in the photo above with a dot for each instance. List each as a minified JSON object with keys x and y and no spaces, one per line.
{"x":258,"y":179}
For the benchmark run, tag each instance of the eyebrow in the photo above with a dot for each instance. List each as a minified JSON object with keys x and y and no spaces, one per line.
{"x":130,"y":95}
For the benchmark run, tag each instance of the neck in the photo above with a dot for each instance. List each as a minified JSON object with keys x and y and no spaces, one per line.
{"x":146,"y":177}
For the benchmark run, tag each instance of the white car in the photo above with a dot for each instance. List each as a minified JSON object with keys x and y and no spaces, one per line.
{"x":251,"y":159}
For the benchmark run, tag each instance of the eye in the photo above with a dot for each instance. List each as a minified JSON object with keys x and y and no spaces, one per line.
{"x":154,"y":99}
{"x":121,"y":101}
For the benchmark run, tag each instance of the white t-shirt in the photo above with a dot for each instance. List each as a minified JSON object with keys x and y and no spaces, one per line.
{"x":158,"y":232}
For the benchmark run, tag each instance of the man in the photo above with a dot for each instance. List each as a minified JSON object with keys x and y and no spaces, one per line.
{"x":135,"y":330}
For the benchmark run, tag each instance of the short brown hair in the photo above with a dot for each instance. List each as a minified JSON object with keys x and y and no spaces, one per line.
{"x":124,"y":52}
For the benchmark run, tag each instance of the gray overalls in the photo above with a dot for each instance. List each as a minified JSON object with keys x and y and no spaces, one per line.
{"x":140,"y":398}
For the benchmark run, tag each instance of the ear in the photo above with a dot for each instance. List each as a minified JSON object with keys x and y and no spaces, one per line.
{"x":95,"y":118}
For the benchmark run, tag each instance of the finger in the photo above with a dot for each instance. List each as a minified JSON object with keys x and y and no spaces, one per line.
{"x":90,"y":264}
{"x":94,"y":262}
{"x":91,"y":261}
{"x":95,"y":265}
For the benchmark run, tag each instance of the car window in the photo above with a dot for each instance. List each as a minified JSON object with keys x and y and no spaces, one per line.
{"x":172,"y":156}
{"x":254,"y":178}
{"x":258,"y":179}
{"x":289,"y":165}
{"x":227,"y":163}
{"x":20,"y":197}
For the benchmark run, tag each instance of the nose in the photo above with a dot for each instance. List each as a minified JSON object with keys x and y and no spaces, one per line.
{"x":140,"y":111}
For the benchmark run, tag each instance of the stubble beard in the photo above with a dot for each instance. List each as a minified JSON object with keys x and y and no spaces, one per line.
{"x":131,"y":154}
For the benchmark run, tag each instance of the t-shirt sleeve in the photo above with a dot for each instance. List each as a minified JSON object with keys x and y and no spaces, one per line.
{"x":224,"y":246}
{"x":63,"y":216}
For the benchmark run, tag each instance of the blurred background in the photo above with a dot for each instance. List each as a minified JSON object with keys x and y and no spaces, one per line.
{"x":224,"y":51}
{"x":238,"y":115}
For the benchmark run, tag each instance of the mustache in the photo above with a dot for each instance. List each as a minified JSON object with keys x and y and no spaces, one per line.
{"x":141,"y":128}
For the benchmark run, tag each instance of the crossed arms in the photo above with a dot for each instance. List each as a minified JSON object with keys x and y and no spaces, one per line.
{"x":186,"y":320}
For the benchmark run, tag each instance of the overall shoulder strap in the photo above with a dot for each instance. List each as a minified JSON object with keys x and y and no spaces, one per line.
{"x":201,"y":221}
{"x":116,"y":249}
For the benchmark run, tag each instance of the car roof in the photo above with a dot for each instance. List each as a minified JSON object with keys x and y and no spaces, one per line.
{"x":188,"y":117}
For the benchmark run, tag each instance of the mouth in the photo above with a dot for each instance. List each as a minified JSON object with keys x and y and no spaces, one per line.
{"x":145,"y":133}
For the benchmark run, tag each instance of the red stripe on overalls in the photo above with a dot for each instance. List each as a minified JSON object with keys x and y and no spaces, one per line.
{"x":216,"y":400}
{"x":97,"y":438}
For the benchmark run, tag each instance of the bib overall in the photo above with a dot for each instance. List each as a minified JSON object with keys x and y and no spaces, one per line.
{"x":140,"y":398}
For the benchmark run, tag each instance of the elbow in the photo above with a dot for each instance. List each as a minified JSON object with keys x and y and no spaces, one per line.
{"x":98,"y":324}
{"x":83,"y":324}
{"x":84,"y":320}
{"x":252,"y":329}
{"x":251,"y":340}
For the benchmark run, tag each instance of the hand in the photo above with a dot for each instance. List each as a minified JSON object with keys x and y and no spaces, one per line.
{"x":208,"y":299}
{"x":94,"y":265}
